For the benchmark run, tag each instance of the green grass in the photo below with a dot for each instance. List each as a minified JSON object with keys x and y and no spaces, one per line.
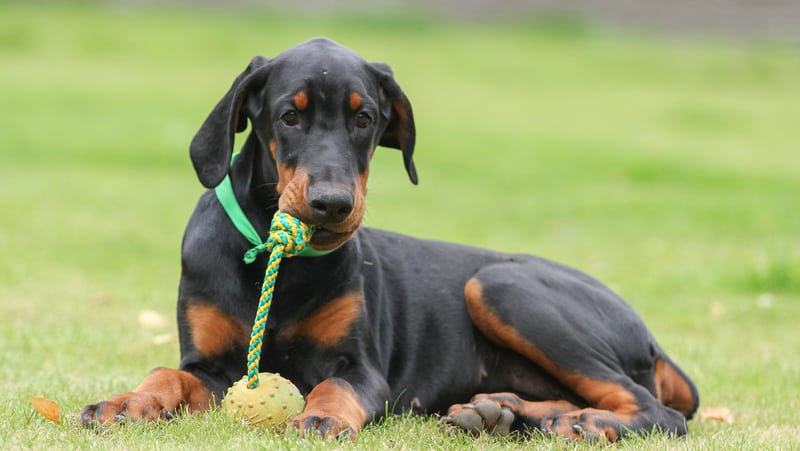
{"x":668,"y":169}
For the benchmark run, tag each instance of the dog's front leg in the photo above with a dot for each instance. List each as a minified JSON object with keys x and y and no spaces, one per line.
{"x":337,"y":408}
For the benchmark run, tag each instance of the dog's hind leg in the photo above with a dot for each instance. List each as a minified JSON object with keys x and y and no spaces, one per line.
{"x":584,"y":336}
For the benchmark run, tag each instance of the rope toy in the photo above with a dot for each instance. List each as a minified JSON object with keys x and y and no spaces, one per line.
{"x":278,"y":400}
{"x":288,"y":236}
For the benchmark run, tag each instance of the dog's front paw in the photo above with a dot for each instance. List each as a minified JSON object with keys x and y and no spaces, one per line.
{"x":329,"y":426}
{"x":585,"y":424}
{"x":118,"y":409}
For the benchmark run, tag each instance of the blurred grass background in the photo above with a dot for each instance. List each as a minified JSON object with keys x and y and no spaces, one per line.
{"x":666,"y":167}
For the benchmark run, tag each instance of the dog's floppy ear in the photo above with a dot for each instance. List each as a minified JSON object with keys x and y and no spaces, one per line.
{"x":212,"y":145}
{"x":399,"y":132}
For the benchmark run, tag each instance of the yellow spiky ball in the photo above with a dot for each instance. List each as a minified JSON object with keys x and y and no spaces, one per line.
{"x":271,"y":405}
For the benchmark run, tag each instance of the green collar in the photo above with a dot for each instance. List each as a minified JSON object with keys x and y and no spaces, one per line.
{"x":231,"y":206}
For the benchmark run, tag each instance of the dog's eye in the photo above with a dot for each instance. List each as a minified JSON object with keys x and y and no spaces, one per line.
{"x":363,"y":120}
{"x":290,"y":118}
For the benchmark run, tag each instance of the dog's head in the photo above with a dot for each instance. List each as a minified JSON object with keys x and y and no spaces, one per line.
{"x":318,"y":111}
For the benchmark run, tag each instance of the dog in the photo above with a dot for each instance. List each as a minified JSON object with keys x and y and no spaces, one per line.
{"x":383,"y":322}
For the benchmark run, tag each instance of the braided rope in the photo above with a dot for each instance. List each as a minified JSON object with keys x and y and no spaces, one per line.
{"x":288,"y":237}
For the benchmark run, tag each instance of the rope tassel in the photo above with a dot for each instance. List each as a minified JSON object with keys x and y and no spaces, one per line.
{"x":288,"y":237}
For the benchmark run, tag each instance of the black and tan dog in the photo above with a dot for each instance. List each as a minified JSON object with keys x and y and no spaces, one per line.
{"x":386,"y":319}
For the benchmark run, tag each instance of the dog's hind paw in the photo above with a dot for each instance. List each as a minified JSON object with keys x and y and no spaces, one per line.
{"x":483,"y":415}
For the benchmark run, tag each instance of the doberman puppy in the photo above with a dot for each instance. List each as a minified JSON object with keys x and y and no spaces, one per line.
{"x":385,"y":322}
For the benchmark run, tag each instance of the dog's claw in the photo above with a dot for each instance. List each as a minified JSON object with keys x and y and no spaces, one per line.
{"x":88,"y":422}
{"x":346,"y":433}
{"x":329,"y":427}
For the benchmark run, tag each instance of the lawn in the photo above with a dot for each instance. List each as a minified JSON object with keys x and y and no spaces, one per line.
{"x":668,"y":168}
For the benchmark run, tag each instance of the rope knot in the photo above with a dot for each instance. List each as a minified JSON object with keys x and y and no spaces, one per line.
{"x":287,"y":234}
{"x":290,"y":233}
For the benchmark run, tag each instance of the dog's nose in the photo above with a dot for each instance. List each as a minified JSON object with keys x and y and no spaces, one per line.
{"x":329,"y":204}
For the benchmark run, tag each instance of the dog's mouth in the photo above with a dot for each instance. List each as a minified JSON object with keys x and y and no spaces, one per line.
{"x":328,"y":237}
{"x":325,"y":239}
